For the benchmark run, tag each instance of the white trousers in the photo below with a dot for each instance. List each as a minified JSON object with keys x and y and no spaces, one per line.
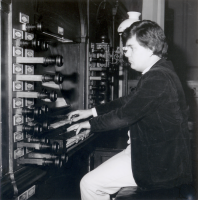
{"x":108,"y":178}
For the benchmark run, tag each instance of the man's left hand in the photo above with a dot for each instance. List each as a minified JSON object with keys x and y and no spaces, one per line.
{"x":79,"y":126}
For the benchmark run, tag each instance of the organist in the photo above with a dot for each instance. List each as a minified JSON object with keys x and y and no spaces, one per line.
{"x":158,"y":154}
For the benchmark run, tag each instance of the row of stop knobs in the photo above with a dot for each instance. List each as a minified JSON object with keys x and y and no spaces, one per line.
{"x":39,"y":113}
{"x":40,"y":146}
{"x":97,"y":91}
{"x":58,"y":60}
{"x":97,"y":75}
{"x":57,"y":78}
{"x":99,"y":84}
{"x":38,"y":157}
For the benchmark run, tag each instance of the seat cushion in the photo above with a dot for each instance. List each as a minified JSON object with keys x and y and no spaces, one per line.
{"x":132,"y":193}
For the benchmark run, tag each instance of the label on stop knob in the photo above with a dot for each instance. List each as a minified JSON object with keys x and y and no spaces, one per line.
{"x":29,"y":53}
{"x":18,"y":136}
{"x":19,"y":152}
{"x":17,"y":86}
{"x":23,"y":18}
{"x":18,"y":119}
{"x":29,"y":36}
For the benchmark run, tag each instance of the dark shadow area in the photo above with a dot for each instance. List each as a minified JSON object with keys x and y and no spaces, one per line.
{"x":74,"y":78}
{"x":69,"y":95}
{"x":63,"y":183}
{"x":178,"y":57}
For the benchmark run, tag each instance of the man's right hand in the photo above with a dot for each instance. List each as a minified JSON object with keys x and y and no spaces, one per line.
{"x":77,"y":115}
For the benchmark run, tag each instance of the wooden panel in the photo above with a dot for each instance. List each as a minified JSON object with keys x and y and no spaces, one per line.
{"x":52,"y":14}
{"x":5,"y":91}
{"x":61,"y":13}
{"x":73,"y":71}
{"x":103,"y":154}
{"x":6,"y":1}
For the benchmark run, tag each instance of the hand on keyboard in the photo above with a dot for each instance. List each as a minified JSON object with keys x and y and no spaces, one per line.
{"x":77,"y":115}
{"x":79,"y":126}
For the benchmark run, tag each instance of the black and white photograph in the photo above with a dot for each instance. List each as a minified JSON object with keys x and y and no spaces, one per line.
{"x":99,"y":100}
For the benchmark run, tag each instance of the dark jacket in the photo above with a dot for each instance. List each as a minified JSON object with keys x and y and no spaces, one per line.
{"x":156,"y":114}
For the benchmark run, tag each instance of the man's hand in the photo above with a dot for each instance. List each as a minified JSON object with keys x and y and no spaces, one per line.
{"x":79,"y":114}
{"x":79,"y":126}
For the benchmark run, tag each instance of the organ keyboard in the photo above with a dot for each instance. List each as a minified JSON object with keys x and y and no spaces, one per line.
{"x":59,"y":124}
{"x":67,"y":138}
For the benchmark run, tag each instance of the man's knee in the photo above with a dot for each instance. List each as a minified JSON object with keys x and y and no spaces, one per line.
{"x":89,"y":180}
{"x":85,"y":182}
{"x":82,"y":182}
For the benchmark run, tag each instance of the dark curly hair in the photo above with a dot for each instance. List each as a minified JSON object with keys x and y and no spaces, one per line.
{"x":148,"y":34}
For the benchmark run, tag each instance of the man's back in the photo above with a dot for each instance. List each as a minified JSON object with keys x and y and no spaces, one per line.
{"x":160,"y":139}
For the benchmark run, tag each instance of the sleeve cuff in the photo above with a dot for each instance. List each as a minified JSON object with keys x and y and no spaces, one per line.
{"x":94,"y":112}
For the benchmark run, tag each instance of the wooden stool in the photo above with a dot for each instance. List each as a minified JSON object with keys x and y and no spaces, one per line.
{"x":186,"y":192}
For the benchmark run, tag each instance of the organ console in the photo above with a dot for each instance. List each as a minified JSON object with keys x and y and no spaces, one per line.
{"x":40,"y":65}
{"x":58,"y":60}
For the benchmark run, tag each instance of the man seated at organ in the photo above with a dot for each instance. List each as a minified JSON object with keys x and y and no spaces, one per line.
{"x":158,"y":155}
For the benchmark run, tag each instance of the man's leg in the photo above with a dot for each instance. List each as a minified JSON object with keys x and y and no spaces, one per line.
{"x":108,"y":178}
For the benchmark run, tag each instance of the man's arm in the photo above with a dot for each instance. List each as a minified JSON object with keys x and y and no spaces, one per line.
{"x":152,"y":92}
{"x":112,"y":105}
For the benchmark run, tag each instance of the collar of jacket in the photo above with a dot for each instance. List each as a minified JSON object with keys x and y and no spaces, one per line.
{"x":166,"y":64}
